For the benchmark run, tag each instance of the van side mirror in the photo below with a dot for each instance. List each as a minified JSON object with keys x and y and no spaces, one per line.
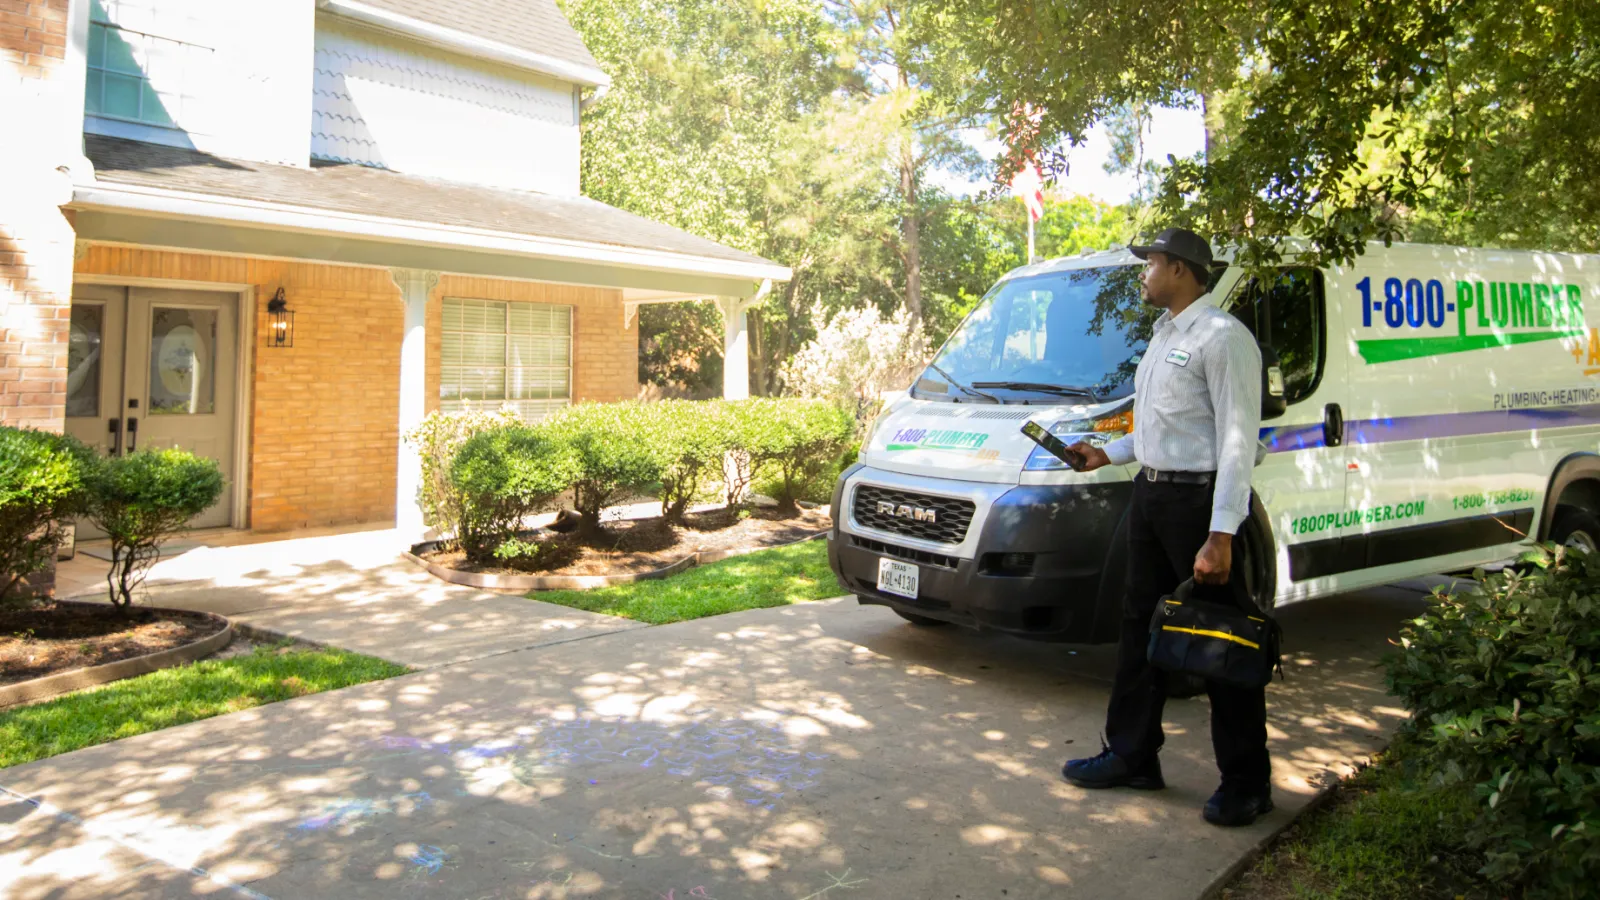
{"x":1273,"y":401}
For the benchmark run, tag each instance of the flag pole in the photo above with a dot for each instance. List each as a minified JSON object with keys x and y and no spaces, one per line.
{"x":1030,"y":237}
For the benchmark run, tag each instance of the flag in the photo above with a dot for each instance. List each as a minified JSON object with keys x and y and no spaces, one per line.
{"x":1028,"y":187}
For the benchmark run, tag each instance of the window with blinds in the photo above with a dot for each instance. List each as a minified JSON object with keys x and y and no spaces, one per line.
{"x":496,"y":354}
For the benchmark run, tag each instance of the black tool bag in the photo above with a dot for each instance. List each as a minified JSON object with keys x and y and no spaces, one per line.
{"x":1235,"y":644}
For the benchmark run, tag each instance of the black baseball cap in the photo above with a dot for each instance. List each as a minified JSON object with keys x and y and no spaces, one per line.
{"x":1179,"y":242}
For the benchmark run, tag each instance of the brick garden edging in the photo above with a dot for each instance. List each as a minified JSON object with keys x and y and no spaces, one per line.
{"x":36,"y":689}
{"x":579,"y":582}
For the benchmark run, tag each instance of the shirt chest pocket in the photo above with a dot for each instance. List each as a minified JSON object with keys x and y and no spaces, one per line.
{"x":1177,"y":385}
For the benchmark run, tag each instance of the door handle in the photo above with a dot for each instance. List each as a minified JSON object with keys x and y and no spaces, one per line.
{"x":1332,"y":425}
{"x":115,"y":427}
{"x":133,"y":434}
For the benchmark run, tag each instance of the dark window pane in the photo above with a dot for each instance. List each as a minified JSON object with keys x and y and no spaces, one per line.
{"x":1297,"y":326}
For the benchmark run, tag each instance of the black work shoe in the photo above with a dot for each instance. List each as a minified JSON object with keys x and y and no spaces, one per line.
{"x":1108,"y":770}
{"x":1233,"y":807}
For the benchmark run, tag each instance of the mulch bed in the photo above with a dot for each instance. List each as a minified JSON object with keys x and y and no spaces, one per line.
{"x":58,"y":637}
{"x":642,"y":545}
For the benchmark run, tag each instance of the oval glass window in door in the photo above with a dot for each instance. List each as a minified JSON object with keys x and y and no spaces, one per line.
{"x":182,"y":361}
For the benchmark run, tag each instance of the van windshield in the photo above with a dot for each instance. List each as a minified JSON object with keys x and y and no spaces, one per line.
{"x":1076,"y":333}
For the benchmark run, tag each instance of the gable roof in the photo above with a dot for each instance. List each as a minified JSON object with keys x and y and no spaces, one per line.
{"x":396,"y":198}
{"x":530,"y":33}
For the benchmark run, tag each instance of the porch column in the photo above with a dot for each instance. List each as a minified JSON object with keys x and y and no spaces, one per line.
{"x":415,"y":286}
{"x":736,"y":342}
{"x":735,"y":349}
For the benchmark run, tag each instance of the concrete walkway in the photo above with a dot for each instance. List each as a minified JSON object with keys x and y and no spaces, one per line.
{"x":824,"y":750}
{"x":351,"y":590}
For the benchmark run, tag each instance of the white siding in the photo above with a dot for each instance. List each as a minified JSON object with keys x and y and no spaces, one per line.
{"x":226,"y":77}
{"x":385,"y":101}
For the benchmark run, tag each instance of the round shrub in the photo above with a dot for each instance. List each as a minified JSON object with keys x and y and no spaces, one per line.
{"x":693,"y":438}
{"x":500,"y":477}
{"x":1504,"y":683}
{"x":795,"y":441}
{"x":615,"y":451}
{"x":42,"y":480}
{"x":437,"y":439}
{"x":143,"y":498}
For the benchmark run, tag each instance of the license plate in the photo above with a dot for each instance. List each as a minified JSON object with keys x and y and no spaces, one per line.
{"x":898,"y":578}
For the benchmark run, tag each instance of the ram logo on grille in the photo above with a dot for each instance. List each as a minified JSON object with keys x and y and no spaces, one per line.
{"x":907,"y":511}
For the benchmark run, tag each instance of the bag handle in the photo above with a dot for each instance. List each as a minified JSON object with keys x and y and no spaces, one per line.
{"x":1247,"y":603}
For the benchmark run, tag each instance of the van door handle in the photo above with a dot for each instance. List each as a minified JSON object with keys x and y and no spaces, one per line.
{"x":115,"y":427}
{"x":1332,"y":425}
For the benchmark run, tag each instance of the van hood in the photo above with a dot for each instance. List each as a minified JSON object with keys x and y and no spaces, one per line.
{"x":966,"y":442}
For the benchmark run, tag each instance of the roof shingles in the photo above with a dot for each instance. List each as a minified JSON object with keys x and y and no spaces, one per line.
{"x":537,"y":26}
{"x":378,"y":192}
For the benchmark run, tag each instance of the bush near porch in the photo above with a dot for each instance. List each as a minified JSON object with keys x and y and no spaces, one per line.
{"x":138,"y":500}
{"x":681,"y":452}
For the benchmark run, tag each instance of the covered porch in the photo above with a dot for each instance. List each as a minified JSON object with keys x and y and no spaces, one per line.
{"x":319,"y":314}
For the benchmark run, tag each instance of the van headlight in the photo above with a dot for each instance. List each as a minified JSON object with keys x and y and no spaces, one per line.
{"x":1096,"y":431}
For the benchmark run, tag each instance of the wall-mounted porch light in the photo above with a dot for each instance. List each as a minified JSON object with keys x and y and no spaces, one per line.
{"x":280,"y":322}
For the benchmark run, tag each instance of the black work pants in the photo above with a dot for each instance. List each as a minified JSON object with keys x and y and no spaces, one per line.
{"x":1167,"y":525}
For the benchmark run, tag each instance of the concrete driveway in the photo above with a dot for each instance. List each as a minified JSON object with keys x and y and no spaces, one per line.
{"x":817,"y":751}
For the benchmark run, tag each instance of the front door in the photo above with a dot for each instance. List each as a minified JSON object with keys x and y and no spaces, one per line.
{"x":154,"y":368}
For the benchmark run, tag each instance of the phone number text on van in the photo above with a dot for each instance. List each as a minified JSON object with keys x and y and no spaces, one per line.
{"x":1360,"y":516}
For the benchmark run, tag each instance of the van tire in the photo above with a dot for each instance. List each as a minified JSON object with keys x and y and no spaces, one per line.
{"x":1574,"y":526}
{"x":920,"y":621}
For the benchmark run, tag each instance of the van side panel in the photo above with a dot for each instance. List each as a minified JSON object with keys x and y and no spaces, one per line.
{"x":1469,"y":381}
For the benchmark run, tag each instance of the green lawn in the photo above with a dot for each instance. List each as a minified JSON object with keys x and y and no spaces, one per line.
{"x":768,"y":578}
{"x":178,"y":695}
{"x":1387,"y":833}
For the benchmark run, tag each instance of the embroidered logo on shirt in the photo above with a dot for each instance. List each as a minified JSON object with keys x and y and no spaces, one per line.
{"x":1179,"y":358}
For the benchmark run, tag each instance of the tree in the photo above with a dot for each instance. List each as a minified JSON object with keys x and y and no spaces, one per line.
{"x":1336,"y":120}
{"x":724,"y":119}
{"x":890,"y":42}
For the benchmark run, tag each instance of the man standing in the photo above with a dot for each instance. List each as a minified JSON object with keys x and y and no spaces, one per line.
{"x":1197,"y":415}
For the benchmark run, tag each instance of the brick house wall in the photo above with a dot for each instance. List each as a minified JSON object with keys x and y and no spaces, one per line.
{"x":36,"y":239}
{"x":324,"y":433}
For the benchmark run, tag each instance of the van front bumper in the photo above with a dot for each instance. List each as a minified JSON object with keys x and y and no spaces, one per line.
{"x":1038,"y":568}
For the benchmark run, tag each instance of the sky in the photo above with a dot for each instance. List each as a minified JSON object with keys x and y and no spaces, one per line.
{"x":1176,"y":131}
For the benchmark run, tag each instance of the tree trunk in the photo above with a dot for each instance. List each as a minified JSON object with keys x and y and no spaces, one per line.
{"x":909,"y":230}
{"x":1205,"y":121}
{"x":758,"y":357}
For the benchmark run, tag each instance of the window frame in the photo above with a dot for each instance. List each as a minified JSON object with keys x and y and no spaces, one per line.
{"x":1319,"y":287}
{"x":505,"y":366}
{"x":143,"y":77}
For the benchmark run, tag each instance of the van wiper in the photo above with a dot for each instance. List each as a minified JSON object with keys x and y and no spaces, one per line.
{"x":1041,"y":387}
{"x":963,"y":388}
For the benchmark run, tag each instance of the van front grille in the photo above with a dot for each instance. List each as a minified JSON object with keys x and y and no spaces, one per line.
{"x":941,"y":519}
{"x":905,"y":553}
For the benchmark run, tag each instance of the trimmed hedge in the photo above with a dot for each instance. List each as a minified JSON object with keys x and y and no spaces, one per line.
{"x":42,"y":485}
{"x":795,"y":440}
{"x":502,"y":476}
{"x":1504,"y":683}
{"x":619,"y":452}
{"x":679,"y":451}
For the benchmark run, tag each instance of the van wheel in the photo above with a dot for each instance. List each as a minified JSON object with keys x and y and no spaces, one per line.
{"x":920,"y":621}
{"x":1575,"y":527}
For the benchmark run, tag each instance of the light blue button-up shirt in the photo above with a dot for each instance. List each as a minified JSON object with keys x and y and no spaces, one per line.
{"x":1197,"y":406}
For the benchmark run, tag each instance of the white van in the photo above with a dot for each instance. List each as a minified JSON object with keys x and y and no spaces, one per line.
{"x":1443,"y":412}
